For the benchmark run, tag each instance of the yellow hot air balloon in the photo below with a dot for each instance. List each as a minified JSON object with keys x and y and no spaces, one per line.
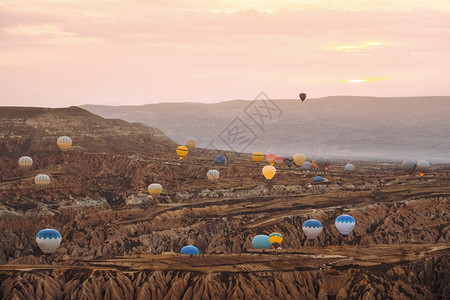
{"x":182,"y":151}
{"x":257,"y":157}
{"x":299,"y":159}
{"x":191,"y":142}
{"x":155,"y":189}
{"x":42,"y":181}
{"x":25,"y":162}
{"x":270,"y":158}
{"x":64,"y":143}
{"x":275,"y":239}
{"x":213,"y":175}
{"x":269,"y":172}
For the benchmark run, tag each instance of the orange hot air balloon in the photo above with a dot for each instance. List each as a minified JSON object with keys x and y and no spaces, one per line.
{"x":314,"y":164}
{"x":269,"y":172}
{"x":279,"y":160}
{"x":270,"y":158}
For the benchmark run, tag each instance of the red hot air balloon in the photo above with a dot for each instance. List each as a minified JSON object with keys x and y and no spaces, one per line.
{"x":302,"y":96}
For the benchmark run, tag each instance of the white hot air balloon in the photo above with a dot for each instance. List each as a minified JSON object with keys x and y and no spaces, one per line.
{"x":345,"y":224}
{"x":312,"y":228}
{"x":48,"y":240}
{"x":213,"y":175}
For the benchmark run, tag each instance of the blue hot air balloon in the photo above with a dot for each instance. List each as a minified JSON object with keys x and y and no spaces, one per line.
{"x":345,"y":224}
{"x":312,"y":228}
{"x":261,"y":242}
{"x":48,"y":240}
{"x":318,"y":179}
{"x":190,"y":250}
{"x":220,"y":159}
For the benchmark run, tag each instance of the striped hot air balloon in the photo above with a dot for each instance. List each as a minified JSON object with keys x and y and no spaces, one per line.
{"x":155,"y":189}
{"x":275,"y":239}
{"x":25,"y":162}
{"x":191,"y":142}
{"x":182,"y":151}
{"x":257,"y":157}
{"x":213,"y":175}
{"x":64,"y":143}
{"x":270,"y":158}
{"x":42,"y":181}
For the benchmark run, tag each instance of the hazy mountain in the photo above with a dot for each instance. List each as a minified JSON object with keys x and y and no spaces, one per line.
{"x":343,"y":126}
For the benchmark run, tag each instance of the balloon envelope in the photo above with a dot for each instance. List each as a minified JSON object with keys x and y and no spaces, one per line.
{"x":318,"y":179}
{"x":308,"y":158}
{"x":269,"y":172}
{"x":48,"y":240}
{"x":306,"y":166}
{"x":422,"y":166}
{"x":190,"y":250}
{"x":302,"y":96}
{"x":25,"y":162}
{"x":182,"y":151}
{"x":312,"y":228}
{"x":321,"y":161}
{"x":213,"y":175}
{"x":409,"y":165}
{"x":220,"y":159}
{"x":299,"y":159}
{"x":257,"y":157}
{"x":345,"y":224}
{"x":64,"y":143}
{"x":42,"y":181}
{"x":191,"y":142}
{"x":155,"y":189}
{"x":279,"y":160}
{"x":349,"y":168}
{"x":261,"y":241}
{"x":270,"y":158}
{"x":275,"y":239}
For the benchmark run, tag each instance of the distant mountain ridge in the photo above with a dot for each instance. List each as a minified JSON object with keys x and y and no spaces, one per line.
{"x":341,"y":126}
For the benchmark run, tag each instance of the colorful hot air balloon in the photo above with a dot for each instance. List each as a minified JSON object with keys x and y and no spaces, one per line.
{"x":48,"y":240}
{"x":321,"y":162}
{"x":409,"y":165}
{"x":213,"y":175}
{"x":182,"y":151}
{"x":190,"y":250}
{"x":318,"y":179}
{"x":299,"y":159}
{"x":302,"y":96}
{"x":349,"y":168}
{"x":269,"y":172}
{"x":270,"y":158}
{"x":275,"y":239}
{"x":25,"y":162}
{"x":306,"y":166}
{"x":279,"y":160}
{"x":220,"y":159}
{"x":155,"y":189}
{"x":345,"y":224}
{"x":261,"y":241}
{"x":257,"y":157}
{"x":191,"y":142}
{"x":422,"y":167}
{"x":314,"y":164}
{"x":312,"y":228}
{"x":42,"y":181}
{"x":64,"y":143}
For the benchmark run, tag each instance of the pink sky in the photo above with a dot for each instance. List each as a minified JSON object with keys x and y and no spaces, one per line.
{"x":70,"y":52}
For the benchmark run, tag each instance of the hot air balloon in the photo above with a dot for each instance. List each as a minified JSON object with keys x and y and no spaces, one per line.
{"x":190,"y":250}
{"x":312,"y":228}
{"x":288,"y":160}
{"x":321,"y":161}
{"x":261,"y":241}
{"x":25,"y":162}
{"x":345,"y":224}
{"x":191,"y":142}
{"x":213,"y":175}
{"x":299,"y":159}
{"x":422,"y":167}
{"x":409,"y":165}
{"x":314,"y":164}
{"x":48,"y":240}
{"x":302,"y":96}
{"x":308,"y":158}
{"x":275,"y":239}
{"x":155,"y":189}
{"x":306,"y":166}
{"x":257,"y":157}
{"x":42,"y":181}
{"x":270,"y":158}
{"x":64,"y":143}
{"x":269,"y":172}
{"x":318,"y":179}
{"x":279,"y":160}
{"x":182,"y":151}
{"x":220,"y":159}
{"x":349,"y":168}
